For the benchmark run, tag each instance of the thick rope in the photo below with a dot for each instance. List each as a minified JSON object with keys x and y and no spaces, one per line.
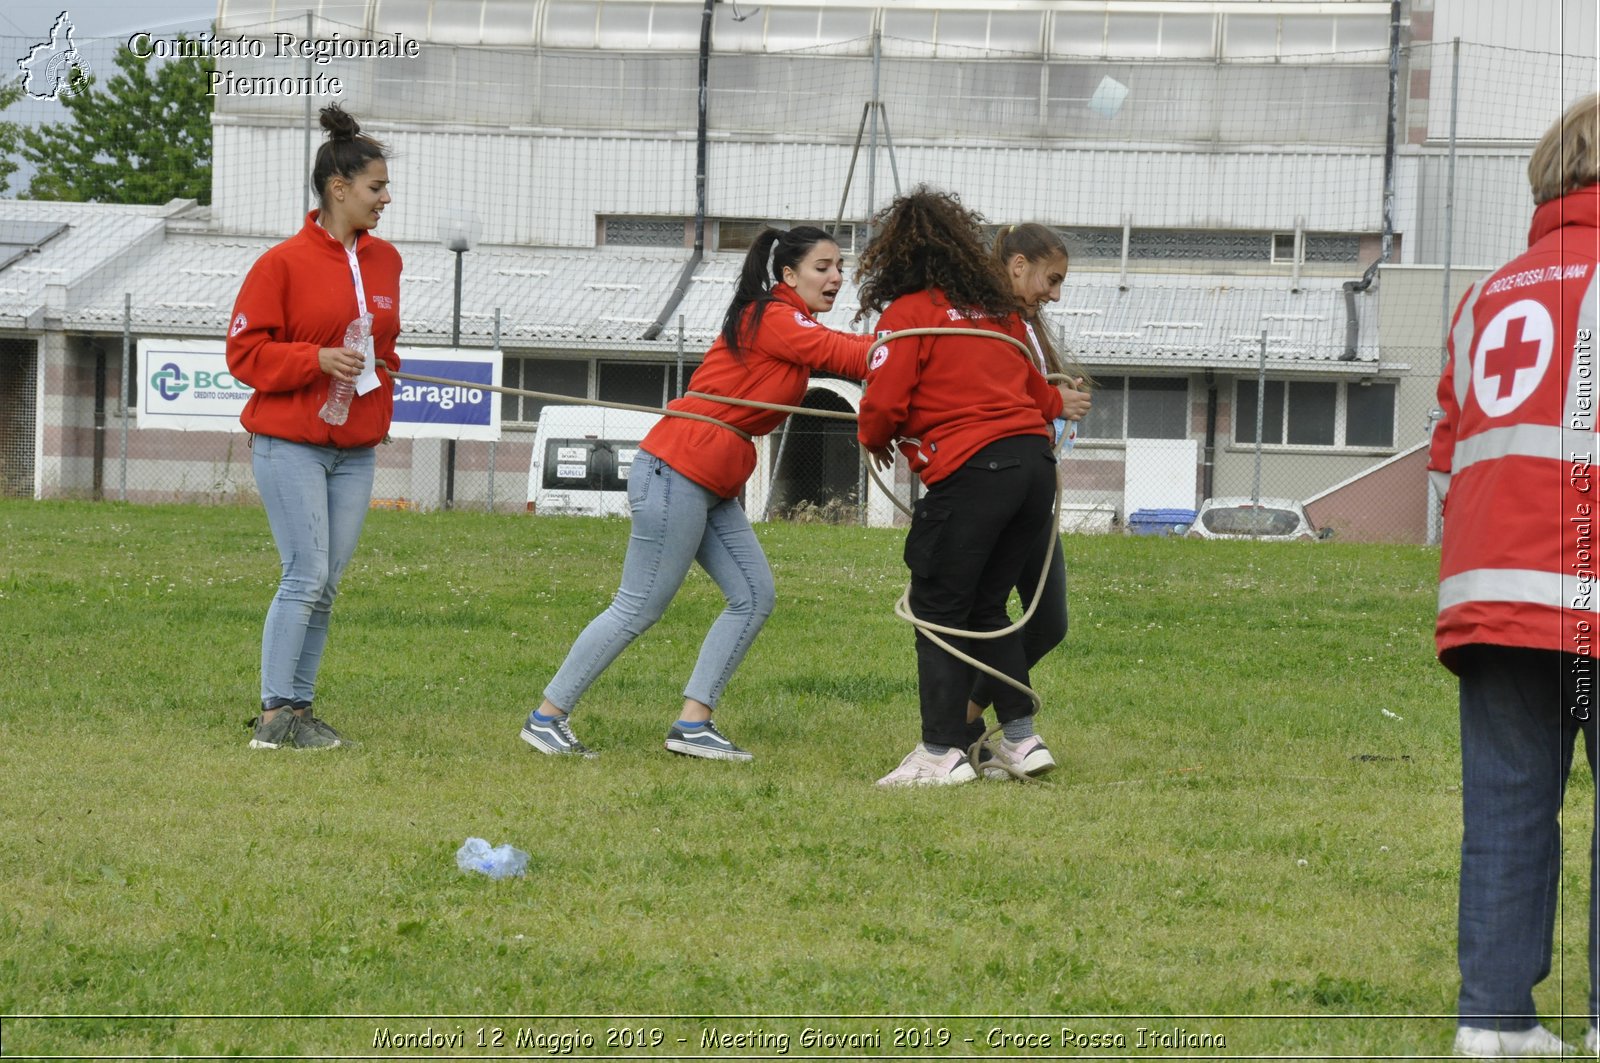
{"x":574,"y":400}
{"x":902,"y":607}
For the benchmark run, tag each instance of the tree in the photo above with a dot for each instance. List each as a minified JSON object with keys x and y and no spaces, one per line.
{"x":10,"y":136}
{"x":145,"y":137}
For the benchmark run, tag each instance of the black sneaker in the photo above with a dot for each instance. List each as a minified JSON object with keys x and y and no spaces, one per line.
{"x":554,"y":737}
{"x":706,"y":742}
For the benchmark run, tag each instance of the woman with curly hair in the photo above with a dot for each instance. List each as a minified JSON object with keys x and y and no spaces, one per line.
{"x":972,"y":416}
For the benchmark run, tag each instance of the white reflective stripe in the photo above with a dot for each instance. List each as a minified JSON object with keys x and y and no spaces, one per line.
{"x":1581,"y":381}
{"x":1523,"y":440}
{"x":1461,"y":346}
{"x":1550,"y":589}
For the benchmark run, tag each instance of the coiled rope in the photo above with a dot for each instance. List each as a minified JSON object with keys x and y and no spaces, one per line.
{"x":902,"y":607}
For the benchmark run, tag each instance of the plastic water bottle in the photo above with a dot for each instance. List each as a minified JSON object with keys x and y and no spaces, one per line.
{"x":357,"y":337}
{"x":1066,"y":436}
{"x":501,"y":861}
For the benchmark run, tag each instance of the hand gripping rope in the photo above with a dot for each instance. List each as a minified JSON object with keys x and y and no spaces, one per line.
{"x":902,"y":608}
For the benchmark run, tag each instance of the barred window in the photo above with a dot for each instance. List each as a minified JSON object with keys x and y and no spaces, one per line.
{"x":645,"y":232}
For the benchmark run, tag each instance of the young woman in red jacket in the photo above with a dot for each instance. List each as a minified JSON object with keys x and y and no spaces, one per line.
{"x":288,"y":341}
{"x":973,"y":418}
{"x":1033,"y":258}
{"x":684,"y":484}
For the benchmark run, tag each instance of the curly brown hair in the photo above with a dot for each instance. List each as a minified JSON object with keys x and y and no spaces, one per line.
{"x":929,"y":240}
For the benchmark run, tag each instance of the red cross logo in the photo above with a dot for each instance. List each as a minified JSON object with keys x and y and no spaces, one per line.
{"x":1511,"y":356}
{"x":1516,"y":353}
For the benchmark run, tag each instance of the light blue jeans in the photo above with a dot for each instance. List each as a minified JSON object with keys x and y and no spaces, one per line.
{"x":316,"y":500}
{"x":675,"y":522}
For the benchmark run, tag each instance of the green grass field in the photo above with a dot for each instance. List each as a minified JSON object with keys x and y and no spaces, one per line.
{"x":1252,"y":834}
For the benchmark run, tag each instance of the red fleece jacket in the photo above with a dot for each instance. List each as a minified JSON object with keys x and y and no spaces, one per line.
{"x":953,"y":394}
{"x":298,"y":298}
{"x":774,"y":367}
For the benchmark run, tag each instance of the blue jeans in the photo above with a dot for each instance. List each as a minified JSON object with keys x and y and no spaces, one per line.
{"x":316,"y":499}
{"x":1521,"y":712}
{"x":675,"y":522}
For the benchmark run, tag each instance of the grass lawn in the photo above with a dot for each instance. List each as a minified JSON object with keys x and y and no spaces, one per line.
{"x":1252,"y":835}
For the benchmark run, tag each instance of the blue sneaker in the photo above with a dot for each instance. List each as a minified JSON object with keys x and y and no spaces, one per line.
{"x":705,"y":741}
{"x":554,"y":737}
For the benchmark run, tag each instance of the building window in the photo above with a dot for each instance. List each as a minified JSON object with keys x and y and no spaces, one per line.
{"x":1369,"y":414}
{"x":737,"y":234}
{"x":555,"y":376}
{"x":1317,"y":413}
{"x":1206,"y":245}
{"x":1138,"y":408}
{"x":641,"y":383}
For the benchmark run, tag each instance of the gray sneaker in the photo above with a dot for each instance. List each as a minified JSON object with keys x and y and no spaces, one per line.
{"x":554,"y":737}
{"x":276,"y":733}
{"x":705,"y":742}
{"x":312,"y":733}
{"x":288,"y":731}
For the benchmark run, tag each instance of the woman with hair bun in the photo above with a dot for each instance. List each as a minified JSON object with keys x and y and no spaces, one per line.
{"x":318,"y":311}
{"x":684,"y":483}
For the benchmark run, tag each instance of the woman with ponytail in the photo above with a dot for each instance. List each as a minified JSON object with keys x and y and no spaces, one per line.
{"x":320,"y":309}
{"x":684,"y":484}
{"x":1033,"y":258}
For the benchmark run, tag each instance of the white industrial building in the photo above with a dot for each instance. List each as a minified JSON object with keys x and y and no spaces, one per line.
{"x":1224,"y":169}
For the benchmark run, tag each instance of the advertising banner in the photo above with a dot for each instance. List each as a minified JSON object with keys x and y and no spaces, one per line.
{"x":185,"y":385}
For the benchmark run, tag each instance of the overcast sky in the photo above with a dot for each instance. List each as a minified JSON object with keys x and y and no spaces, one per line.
{"x":98,"y":27}
{"x":104,"y":18}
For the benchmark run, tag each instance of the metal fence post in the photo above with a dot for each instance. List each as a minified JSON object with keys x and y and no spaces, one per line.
{"x":123,"y":389}
{"x":493,"y":443}
{"x":1261,"y":412}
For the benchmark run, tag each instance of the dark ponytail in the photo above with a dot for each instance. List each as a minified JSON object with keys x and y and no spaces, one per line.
{"x":345,"y":153}
{"x":787,"y":248}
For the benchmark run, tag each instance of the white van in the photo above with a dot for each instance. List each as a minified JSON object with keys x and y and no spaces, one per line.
{"x":581,"y":459}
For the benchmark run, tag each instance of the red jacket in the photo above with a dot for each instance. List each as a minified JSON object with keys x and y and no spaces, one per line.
{"x":1515,"y":449}
{"x":774,"y":367}
{"x":954,"y":395}
{"x":298,"y":298}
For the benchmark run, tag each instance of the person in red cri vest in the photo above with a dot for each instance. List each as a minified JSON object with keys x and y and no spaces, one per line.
{"x":1513,"y":456}
{"x":1033,"y":258}
{"x":973,"y":419}
{"x":684,"y":483}
{"x":320,"y":310}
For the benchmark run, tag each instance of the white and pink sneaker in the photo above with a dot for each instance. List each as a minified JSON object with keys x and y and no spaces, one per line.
{"x":921,"y":768}
{"x":1028,"y":757}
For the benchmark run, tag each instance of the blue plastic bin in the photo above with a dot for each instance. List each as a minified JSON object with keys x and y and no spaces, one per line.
{"x":1160,"y":521}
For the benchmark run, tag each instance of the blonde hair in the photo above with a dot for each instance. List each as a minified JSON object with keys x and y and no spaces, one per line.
{"x":1567,"y":157}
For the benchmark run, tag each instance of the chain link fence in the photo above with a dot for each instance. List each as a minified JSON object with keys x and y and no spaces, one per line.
{"x":1351,"y":451}
{"x":1275,"y":364}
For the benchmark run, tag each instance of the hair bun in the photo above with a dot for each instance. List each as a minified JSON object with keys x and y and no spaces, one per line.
{"x":339,"y":124}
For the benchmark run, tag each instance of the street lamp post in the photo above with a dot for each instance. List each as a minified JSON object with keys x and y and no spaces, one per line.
{"x":458,"y":231}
